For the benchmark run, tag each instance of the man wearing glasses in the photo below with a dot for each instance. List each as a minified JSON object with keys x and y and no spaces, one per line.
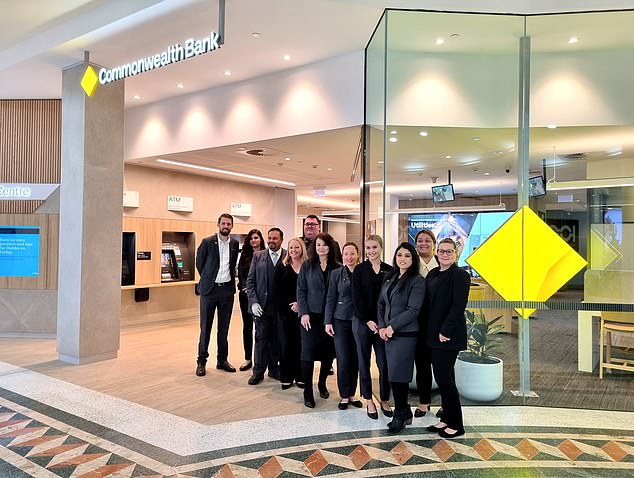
{"x":312,"y":227}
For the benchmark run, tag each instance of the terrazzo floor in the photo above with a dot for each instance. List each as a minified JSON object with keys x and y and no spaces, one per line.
{"x":51,"y":428}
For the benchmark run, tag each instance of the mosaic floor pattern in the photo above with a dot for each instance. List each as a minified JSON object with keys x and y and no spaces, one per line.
{"x":40,"y":441}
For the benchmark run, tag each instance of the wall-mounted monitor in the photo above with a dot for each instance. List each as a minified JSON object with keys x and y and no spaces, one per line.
{"x":536,"y":187}
{"x":442,"y":193}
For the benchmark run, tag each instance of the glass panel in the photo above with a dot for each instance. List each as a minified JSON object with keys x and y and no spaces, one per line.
{"x":582,"y":144}
{"x":452,"y":88}
{"x":373,"y":188}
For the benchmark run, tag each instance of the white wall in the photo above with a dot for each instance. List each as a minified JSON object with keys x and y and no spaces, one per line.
{"x":320,"y":96}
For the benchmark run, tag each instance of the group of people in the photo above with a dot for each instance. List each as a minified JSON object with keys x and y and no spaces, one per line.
{"x":314,"y":301}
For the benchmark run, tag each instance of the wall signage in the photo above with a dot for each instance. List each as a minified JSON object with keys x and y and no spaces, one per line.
{"x":26,"y":191}
{"x":241,"y":209}
{"x":143,"y":255}
{"x":179,"y":203}
{"x":130,"y":198}
{"x":172,"y":54}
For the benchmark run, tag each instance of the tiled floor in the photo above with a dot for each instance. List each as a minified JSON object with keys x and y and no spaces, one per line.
{"x":49,"y":428}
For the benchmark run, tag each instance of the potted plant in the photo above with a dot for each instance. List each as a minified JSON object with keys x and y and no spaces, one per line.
{"x":479,"y":376}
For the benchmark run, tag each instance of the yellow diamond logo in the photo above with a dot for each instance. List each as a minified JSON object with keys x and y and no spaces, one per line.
{"x":526,"y":260}
{"x":90,"y":81}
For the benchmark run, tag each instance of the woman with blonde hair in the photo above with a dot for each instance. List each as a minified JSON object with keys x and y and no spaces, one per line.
{"x":288,"y":323}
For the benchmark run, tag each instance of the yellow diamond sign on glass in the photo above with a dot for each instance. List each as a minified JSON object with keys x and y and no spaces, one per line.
{"x":90,"y":81}
{"x":525,"y":260}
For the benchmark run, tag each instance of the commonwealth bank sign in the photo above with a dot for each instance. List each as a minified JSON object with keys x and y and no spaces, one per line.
{"x":172,"y":54}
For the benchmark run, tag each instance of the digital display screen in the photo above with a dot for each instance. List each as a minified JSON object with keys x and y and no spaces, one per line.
{"x":443,"y":193}
{"x":536,"y":187}
{"x":19,"y":251}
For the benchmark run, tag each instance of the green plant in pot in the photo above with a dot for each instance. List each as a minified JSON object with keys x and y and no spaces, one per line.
{"x":479,"y":376}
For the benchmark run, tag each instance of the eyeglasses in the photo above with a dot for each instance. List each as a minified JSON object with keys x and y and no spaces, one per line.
{"x":311,"y":224}
{"x":445,"y":252}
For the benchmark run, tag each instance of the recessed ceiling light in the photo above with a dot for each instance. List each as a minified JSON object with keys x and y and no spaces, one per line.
{"x":287,"y":159}
{"x":329,"y":169}
{"x":393,"y":139}
{"x":256,"y":35}
{"x":440,"y":41}
{"x":487,"y":174}
{"x":573,"y":40}
{"x":227,"y":73}
{"x":448,"y":156}
{"x":379,"y":162}
{"x":180,"y":85}
{"x":393,"y":132}
{"x":286,"y":57}
{"x":476,"y":139}
{"x":136,"y":97}
{"x":423,"y":133}
{"x":551,"y":126}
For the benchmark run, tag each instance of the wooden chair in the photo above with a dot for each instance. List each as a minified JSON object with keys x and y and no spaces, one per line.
{"x":623,"y":325}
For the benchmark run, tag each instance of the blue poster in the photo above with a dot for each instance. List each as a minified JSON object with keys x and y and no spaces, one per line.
{"x":19,"y":251}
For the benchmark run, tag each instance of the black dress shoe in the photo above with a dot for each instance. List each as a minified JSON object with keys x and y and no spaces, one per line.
{"x":421,"y":413}
{"x":373,"y":415}
{"x":275,"y":375}
{"x":200,"y":370}
{"x":387,"y":411}
{"x":444,"y":434}
{"x":439,"y":413}
{"x":434,"y":429}
{"x":309,"y":399}
{"x":309,"y":403}
{"x":286,"y":386}
{"x":226,"y":366}
{"x":397,"y":424}
{"x":255,"y":379}
{"x":356,"y":403}
{"x":246,"y":366}
{"x":323,"y":391}
{"x":300,"y":384}
{"x":343,"y":405}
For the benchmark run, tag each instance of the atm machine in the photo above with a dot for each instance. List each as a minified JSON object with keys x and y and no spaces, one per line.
{"x":176,"y":262}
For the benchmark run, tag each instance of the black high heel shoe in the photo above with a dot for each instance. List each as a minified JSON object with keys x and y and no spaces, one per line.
{"x":387,"y":411}
{"x":323,"y":391}
{"x":421,"y":413}
{"x":373,"y":415}
{"x":309,"y":398}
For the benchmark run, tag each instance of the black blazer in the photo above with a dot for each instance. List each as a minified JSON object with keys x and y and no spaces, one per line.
{"x":447,"y":295}
{"x":339,"y":296}
{"x":311,"y":288}
{"x":208,"y":263}
{"x":366,"y":287}
{"x":400,"y":308}
{"x":259,"y":287}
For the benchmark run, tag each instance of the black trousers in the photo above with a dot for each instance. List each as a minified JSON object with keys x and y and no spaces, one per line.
{"x":308,"y":367}
{"x":423,"y":370}
{"x":366,"y":340}
{"x":290,"y":344}
{"x":347,"y":359}
{"x":443,"y":362}
{"x":401,"y":396}
{"x":267,"y":353}
{"x":221,"y":298}
{"x":247,"y":325}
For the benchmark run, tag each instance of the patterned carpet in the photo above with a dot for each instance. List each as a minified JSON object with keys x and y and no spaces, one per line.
{"x":37,"y":440}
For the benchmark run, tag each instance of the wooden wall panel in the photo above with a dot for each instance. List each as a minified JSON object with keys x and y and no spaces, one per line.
{"x":49,"y":240}
{"x":30,"y":146}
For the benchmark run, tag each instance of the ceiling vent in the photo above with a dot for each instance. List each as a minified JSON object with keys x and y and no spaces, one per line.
{"x":263,"y":152}
{"x":574,"y":156}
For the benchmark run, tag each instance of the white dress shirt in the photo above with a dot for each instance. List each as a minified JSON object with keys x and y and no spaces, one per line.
{"x":275,"y":256}
{"x":425,"y":268}
{"x":223,"y":254}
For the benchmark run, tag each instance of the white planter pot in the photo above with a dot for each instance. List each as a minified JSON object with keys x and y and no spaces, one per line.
{"x":480,"y":382}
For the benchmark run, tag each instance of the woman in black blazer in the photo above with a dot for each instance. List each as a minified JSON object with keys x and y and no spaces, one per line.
{"x":312,"y":288}
{"x":400,"y":302}
{"x":447,"y":295}
{"x":338,"y":324}
{"x":289,"y":334}
{"x":426,"y":248}
{"x":253,"y":242}
{"x":367,"y":280}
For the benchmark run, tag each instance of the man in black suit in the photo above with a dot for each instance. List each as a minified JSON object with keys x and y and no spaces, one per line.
{"x":260,"y":286}
{"x":216,"y":263}
{"x":312,"y":227}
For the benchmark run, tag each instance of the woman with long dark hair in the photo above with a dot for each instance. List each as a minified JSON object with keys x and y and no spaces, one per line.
{"x":339,"y":319}
{"x":400,"y":302}
{"x":253,"y":242}
{"x":312,"y":288}
{"x":448,"y":292}
{"x":367,"y":280}
{"x":288,"y":324}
